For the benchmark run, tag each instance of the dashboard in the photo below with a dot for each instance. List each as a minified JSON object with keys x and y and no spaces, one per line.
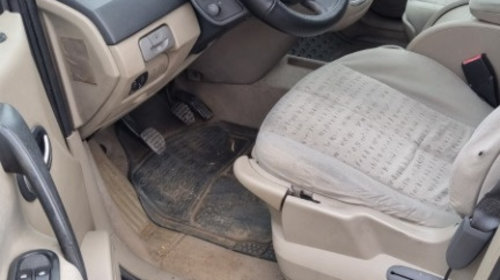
{"x":113,"y":55}
{"x":119,"y":19}
{"x":113,"y":17}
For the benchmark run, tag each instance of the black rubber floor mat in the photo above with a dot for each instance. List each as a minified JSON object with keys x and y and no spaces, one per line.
{"x":327,"y":47}
{"x":191,"y":188}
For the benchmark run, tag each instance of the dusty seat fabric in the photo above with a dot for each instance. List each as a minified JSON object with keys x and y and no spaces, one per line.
{"x":371,"y":131}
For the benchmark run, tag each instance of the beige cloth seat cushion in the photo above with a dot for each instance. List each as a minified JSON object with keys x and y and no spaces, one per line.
{"x":379,"y":128}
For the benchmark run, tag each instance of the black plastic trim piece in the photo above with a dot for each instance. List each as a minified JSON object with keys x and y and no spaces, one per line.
{"x":495,"y":274}
{"x":43,"y":141}
{"x":46,"y":68}
{"x":210,"y":32}
{"x":399,"y":272}
{"x":476,"y":231}
{"x":10,"y":5}
{"x":125,"y":275}
{"x":16,"y":265}
{"x":286,"y":19}
{"x":467,"y":243}
{"x":234,"y":11}
{"x":20,"y":154}
{"x":120,"y":19}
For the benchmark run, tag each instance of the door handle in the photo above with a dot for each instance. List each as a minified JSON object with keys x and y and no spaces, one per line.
{"x":19,"y":153}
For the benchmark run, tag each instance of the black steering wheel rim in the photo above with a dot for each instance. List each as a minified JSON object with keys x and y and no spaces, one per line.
{"x":284,"y":18}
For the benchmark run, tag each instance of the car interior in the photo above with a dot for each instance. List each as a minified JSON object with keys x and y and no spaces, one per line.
{"x":249,"y":139}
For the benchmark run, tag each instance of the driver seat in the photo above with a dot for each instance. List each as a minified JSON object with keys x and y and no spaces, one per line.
{"x":369,"y":162}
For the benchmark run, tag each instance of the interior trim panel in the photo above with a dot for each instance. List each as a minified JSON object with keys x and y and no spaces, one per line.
{"x":112,"y":17}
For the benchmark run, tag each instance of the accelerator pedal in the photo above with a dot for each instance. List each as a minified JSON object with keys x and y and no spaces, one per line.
{"x":195,"y":104}
{"x":150,"y":136}
{"x":182,"y":111}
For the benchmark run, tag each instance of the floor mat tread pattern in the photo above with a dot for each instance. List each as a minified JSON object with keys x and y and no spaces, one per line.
{"x":191,"y":188}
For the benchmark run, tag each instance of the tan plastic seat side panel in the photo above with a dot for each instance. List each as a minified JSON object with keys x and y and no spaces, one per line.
{"x":271,"y":190}
{"x":353,"y":239}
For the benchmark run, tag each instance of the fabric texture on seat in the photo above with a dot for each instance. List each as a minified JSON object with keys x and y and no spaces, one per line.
{"x":354,"y":132}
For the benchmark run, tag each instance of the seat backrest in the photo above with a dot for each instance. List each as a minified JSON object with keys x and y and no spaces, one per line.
{"x":477,"y":167}
{"x":486,"y":10}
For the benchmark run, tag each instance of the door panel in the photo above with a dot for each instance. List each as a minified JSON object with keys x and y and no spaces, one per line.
{"x":20,"y":86}
{"x":24,"y":225}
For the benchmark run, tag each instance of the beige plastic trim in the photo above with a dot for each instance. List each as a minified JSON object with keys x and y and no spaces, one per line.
{"x":335,"y":240}
{"x":24,"y":226}
{"x":127,"y":55}
{"x":237,"y":57}
{"x":362,"y":233}
{"x":20,"y":86}
{"x":126,"y":250}
{"x":355,"y":11}
{"x":445,"y":11}
{"x":97,"y":78}
{"x":408,"y":26}
{"x":269,"y":189}
{"x":487,"y":10}
{"x":86,"y":66}
{"x":458,"y":36}
{"x":356,"y":241}
{"x":98,"y":256}
{"x":302,"y":262}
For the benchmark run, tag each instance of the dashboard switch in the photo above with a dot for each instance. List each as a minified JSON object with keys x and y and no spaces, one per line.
{"x":24,"y":275}
{"x":42,"y":274}
{"x":138,"y":83}
{"x":35,"y":265}
{"x":213,"y":9}
{"x":220,"y":12}
{"x":156,"y":42}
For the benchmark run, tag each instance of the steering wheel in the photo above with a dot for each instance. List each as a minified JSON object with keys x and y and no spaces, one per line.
{"x":280,"y":15}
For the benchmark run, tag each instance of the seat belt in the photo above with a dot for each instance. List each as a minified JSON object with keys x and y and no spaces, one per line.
{"x":475,"y":231}
{"x":481,"y":77}
{"x":470,"y":239}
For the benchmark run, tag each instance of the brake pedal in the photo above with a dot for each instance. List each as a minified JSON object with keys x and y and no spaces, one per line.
{"x":183,"y":112}
{"x":150,"y":136}
{"x":195,"y":104}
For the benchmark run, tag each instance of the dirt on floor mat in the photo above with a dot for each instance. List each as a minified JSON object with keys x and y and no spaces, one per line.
{"x":328,"y":47}
{"x":191,"y":188}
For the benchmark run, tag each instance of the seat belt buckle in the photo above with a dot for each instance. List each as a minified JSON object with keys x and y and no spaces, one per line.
{"x":466,"y":244}
{"x":481,"y":77}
